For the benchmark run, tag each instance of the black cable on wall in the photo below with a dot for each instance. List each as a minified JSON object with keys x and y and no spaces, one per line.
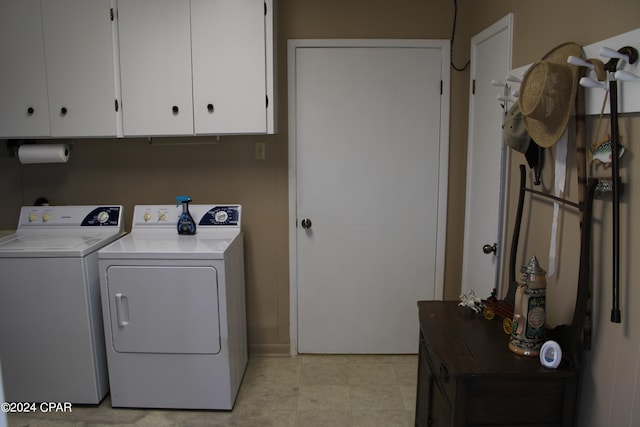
{"x":453,"y":35}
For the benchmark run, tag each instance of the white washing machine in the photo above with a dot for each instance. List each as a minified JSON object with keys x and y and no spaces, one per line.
{"x":51,"y":333}
{"x":174,"y":309}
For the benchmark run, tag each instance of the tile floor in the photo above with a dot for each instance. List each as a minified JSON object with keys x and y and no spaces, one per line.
{"x":302,"y":391}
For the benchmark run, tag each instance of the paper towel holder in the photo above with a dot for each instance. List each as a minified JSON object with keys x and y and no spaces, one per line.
{"x":14,"y":144}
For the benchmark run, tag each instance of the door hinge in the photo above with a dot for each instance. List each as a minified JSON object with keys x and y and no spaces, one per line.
{"x":267,"y":99}
{"x":473,"y":87}
{"x":265,"y":8}
{"x":116,"y":103}
{"x":112,"y":14}
{"x":441,"y":86}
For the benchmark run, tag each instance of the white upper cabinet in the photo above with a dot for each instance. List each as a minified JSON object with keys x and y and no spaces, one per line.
{"x":155,"y":67}
{"x":86,"y":68}
{"x":79,"y":53}
{"x":229,"y":81}
{"x":196,"y":67}
{"x":24,"y":110}
{"x":58,"y":74}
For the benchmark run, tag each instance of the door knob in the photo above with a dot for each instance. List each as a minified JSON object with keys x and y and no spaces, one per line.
{"x":306,"y":223}
{"x":487,"y":249}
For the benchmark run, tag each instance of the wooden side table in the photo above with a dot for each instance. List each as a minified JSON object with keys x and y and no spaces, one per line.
{"x":468,"y":376}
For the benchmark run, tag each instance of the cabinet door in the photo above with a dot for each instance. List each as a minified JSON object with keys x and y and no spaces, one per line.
{"x":432,"y":407}
{"x":79,"y":54}
{"x":23,"y":88}
{"x":425,"y":389}
{"x":229,"y":81}
{"x":155,"y":67}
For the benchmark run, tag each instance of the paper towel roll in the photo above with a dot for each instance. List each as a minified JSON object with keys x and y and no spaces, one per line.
{"x":43,"y":153}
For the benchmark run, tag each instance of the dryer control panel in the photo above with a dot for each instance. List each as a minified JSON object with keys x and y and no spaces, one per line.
{"x":221,"y":215}
{"x":209,"y":216}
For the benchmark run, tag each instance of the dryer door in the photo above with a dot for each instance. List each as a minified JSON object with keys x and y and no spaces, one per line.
{"x":164,"y":309}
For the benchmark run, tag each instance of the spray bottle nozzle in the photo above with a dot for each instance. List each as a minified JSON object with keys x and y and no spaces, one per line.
{"x":183,"y":199}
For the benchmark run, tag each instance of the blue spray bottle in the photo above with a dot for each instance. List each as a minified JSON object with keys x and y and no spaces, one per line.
{"x":186,"y":224}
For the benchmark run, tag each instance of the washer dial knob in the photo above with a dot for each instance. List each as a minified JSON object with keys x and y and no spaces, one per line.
{"x":103,"y":217}
{"x":146,"y":216}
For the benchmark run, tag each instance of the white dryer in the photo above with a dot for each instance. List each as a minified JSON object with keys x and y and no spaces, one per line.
{"x":51,"y":334}
{"x":174,"y":309}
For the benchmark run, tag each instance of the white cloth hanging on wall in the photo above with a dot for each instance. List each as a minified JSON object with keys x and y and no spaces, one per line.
{"x":560,"y":175}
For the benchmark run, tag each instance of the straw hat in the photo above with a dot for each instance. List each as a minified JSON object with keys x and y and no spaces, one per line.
{"x":547,"y":94}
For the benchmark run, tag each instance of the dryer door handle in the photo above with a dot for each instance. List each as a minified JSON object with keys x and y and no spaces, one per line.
{"x":122,"y":310}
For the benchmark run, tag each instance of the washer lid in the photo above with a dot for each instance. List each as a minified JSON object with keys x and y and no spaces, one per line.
{"x":54,"y":244}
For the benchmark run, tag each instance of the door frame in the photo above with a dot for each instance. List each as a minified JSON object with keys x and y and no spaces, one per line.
{"x":504,"y":24}
{"x":292,"y":46}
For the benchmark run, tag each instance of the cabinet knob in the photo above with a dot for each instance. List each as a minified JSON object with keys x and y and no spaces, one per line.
{"x":175,"y":109}
{"x":63,"y":111}
{"x":30,"y":111}
{"x":210,"y":108}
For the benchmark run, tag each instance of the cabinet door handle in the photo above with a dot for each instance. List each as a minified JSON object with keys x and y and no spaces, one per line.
{"x":444,"y":373}
{"x":210,"y":108}
{"x":30,"y":111}
{"x":175,"y":109}
{"x":63,"y":111}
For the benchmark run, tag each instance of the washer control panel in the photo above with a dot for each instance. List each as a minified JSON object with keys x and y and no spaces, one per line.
{"x":70,"y":216}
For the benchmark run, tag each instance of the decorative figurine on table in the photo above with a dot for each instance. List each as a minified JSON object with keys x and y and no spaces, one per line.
{"x":528,"y":331}
{"x":470,"y":300}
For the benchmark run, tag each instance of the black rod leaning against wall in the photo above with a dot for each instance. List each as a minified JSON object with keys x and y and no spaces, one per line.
{"x":611,"y":67}
{"x":516,"y":229}
{"x":567,"y":335}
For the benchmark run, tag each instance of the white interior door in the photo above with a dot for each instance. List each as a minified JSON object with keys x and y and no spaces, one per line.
{"x":369,"y":147}
{"x":486,"y":159}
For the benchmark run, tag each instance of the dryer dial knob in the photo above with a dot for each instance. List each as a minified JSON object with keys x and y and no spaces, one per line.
{"x":162,"y":216}
{"x":103,"y":217}
{"x":221,"y":216}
